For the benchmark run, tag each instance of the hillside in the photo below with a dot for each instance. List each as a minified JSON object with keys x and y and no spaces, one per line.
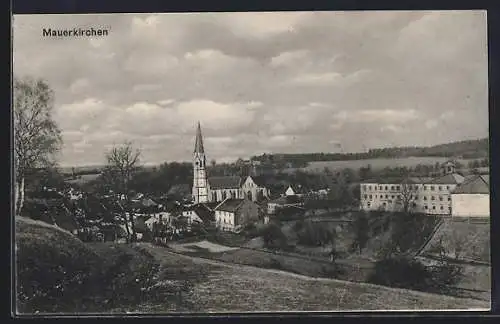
{"x":469,"y":149}
{"x":58,"y":273}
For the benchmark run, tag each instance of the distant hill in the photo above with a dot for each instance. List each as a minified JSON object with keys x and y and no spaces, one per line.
{"x":469,"y":149}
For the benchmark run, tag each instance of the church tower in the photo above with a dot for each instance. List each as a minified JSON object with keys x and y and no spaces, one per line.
{"x":200,"y":184}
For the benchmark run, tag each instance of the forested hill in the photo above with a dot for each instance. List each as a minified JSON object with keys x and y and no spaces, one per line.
{"x":469,"y":149}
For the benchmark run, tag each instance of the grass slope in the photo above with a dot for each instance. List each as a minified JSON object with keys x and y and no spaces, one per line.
{"x":473,"y":239}
{"x":57,"y":273}
{"x":237,"y":288}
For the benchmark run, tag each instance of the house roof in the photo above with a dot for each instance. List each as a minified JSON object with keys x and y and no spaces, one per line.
{"x":286,"y":200}
{"x":204,"y":212}
{"x":476,"y":185}
{"x":228,"y":182}
{"x":297,"y":188}
{"x":451,"y":178}
{"x":179,"y":188}
{"x":148,"y":202}
{"x":230,"y":205}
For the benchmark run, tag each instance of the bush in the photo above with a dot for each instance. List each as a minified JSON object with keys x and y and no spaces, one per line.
{"x":402,"y":273}
{"x":408,"y":273}
{"x":273,"y":236}
{"x":315,"y":234}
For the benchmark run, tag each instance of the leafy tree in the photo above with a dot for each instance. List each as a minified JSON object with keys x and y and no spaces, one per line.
{"x":36,"y":135}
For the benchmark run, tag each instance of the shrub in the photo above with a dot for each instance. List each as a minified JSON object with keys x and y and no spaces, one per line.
{"x":403,"y":272}
{"x":315,"y":234}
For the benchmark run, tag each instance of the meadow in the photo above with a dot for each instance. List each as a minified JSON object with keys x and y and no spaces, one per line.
{"x":377,"y":164}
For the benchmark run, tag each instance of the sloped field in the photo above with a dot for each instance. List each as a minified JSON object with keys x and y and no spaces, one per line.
{"x":466,"y":241}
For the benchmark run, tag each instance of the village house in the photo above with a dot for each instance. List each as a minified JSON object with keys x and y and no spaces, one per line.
{"x":199,"y":213}
{"x":295,"y":190}
{"x":233,"y":214}
{"x":472,"y":198}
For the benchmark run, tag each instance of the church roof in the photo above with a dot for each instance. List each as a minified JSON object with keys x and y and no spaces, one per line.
{"x":198,"y":145}
{"x":451,"y":178}
{"x":477,"y":185}
{"x":228,"y":182}
{"x":259,"y":180}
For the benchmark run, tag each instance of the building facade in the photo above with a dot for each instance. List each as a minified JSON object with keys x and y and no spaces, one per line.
{"x":429,"y":196}
{"x":233,"y":214}
{"x":472,"y":198}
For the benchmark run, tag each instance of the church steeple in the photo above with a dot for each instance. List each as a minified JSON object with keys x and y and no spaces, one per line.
{"x":200,"y":183}
{"x":198,"y":145}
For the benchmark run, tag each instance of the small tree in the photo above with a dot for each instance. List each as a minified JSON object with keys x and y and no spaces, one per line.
{"x":361,"y":228}
{"x":36,"y":136}
{"x":273,"y":236}
{"x":122,"y":162}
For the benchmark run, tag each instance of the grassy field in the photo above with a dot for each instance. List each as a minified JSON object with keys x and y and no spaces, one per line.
{"x":235,"y":288}
{"x":472,"y":240}
{"x":377,"y":164}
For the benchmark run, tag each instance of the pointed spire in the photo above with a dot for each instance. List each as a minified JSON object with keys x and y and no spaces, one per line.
{"x":198,"y":146}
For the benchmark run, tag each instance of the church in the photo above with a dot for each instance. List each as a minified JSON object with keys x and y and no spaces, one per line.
{"x":216,"y":189}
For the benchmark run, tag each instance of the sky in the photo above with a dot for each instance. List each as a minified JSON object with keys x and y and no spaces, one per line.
{"x":276,"y":82}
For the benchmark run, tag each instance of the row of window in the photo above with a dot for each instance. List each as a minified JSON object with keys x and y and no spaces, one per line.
{"x":410,"y":187}
{"x":412,"y":197}
{"x":415,"y":205}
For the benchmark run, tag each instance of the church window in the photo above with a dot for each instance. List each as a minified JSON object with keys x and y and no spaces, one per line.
{"x":392,"y":187}
{"x":449,"y":198}
{"x":440,"y":198}
{"x":432,"y":188}
{"x":366,"y":196}
{"x":425,"y":207}
{"x":397,"y":187}
{"x":370,"y":196}
{"x":386,"y":196}
{"x":432,"y":198}
{"x":425,"y":197}
{"x":380,"y":188}
{"x":440,"y":188}
{"x":434,"y":207}
{"x":386,"y":188}
{"x":441,"y":207}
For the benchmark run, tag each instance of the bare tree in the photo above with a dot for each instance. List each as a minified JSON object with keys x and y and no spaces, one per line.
{"x":122,"y":162}
{"x":36,"y":136}
{"x":407,"y":195}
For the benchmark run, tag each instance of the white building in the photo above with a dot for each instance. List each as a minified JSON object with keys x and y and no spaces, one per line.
{"x":425,"y":195}
{"x":472,"y":198}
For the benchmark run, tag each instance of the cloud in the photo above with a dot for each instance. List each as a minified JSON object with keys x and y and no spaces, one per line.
{"x":288,"y":58}
{"x":387,"y":115}
{"x":264,"y":24}
{"x":260,"y":82}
